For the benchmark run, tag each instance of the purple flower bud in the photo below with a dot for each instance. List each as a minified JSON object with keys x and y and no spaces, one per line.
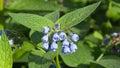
{"x":0,"y":32}
{"x":73,"y":47}
{"x":114,"y":34}
{"x":45,"y":38}
{"x":45,"y":30}
{"x":56,"y":37}
{"x":62,"y":36}
{"x":11,"y":41}
{"x":75,"y":37}
{"x":57,"y":25}
{"x":65,"y":43}
{"x":71,"y":34}
{"x":54,"y":46}
{"x":66,"y":49}
{"x":45,"y":46}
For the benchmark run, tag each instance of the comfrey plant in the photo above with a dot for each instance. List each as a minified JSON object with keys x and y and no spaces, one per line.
{"x":68,"y":45}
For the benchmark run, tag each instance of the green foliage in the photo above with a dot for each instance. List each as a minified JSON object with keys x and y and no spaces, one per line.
{"x":34,"y":5}
{"x":39,"y":60}
{"x":76,"y":16}
{"x":31,"y":21}
{"x":5,"y":52}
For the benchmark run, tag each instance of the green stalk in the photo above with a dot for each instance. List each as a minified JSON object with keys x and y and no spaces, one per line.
{"x":1,"y":15}
{"x":57,"y":60}
{"x":1,"y":5}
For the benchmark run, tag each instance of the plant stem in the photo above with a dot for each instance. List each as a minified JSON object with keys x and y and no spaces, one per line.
{"x":57,"y":60}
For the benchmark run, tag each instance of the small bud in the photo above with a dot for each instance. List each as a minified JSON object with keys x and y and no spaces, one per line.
{"x":45,"y":46}
{"x":75,"y":37}
{"x":114,"y":34}
{"x":65,"y":43}
{"x":66,"y":49}
{"x":73,"y":47}
{"x":71,"y":34}
{"x":62,"y":35}
{"x":0,"y":32}
{"x":57,"y":26}
{"x":45,"y":30}
{"x":11,"y":41}
{"x":54,"y":46}
{"x":45,"y":38}
{"x":56,"y":37}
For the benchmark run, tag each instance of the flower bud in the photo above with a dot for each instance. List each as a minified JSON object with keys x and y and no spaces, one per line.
{"x":57,"y":26}
{"x":75,"y":37}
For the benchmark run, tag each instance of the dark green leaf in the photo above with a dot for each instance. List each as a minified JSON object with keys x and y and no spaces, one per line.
{"x":77,"y":16}
{"x":5,"y":52}
{"x":39,"y":60}
{"x":31,"y":21}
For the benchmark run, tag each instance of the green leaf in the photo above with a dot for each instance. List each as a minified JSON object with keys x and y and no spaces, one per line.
{"x":81,"y":56}
{"x":54,"y":16}
{"x":1,"y":5}
{"x":26,"y":47}
{"x":109,"y":62}
{"x":39,"y":60}
{"x":31,"y":21}
{"x":98,"y":35}
{"x":5,"y":52}
{"x":34,"y":5}
{"x":77,"y":16}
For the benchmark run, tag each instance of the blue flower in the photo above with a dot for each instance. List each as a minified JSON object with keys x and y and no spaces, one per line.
{"x":54,"y":46}
{"x":45,"y":46}
{"x":57,"y":26}
{"x":73,"y":47}
{"x":45,"y":30}
{"x":71,"y":34}
{"x":56,"y":37}
{"x":75,"y":37}
{"x":66,"y":49}
{"x":45,"y":38}
{"x":0,"y":32}
{"x":6,"y":32}
{"x":62,"y":36}
{"x":65,"y":43}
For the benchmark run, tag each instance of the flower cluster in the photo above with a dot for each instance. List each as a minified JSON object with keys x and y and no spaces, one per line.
{"x":68,"y":45}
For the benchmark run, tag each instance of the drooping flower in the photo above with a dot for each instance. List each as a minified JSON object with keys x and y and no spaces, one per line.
{"x":114,"y":34}
{"x":56,"y":37}
{"x":53,"y":46}
{"x":75,"y":37}
{"x":73,"y":47}
{"x":45,"y":38}
{"x":45,"y":46}
{"x":62,"y":36}
{"x":66,"y":49}
{"x":71,"y":34}
{"x":65,"y":43}
{"x":45,"y":30}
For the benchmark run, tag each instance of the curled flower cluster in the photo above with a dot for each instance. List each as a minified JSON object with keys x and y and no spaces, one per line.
{"x":68,"y":45}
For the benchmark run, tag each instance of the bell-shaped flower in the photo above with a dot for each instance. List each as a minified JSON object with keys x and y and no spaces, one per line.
{"x":45,"y":46}
{"x":65,"y":43}
{"x":56,"y":26}
{"x":56,"y":37}
{"x":53,"y":46}
{"x":45,"y":30}
{"x":66,"y":49}
{"x":62,"y":35}
{"x":45,"y":38}
{"x":73,"y":47}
